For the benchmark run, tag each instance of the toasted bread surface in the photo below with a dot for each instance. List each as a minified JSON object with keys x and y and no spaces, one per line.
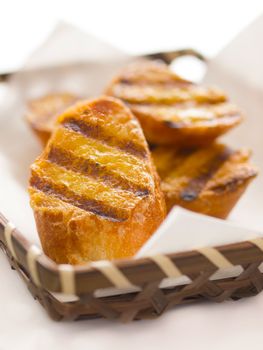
{"x":207,"y":180}
{"x":42,"y":113}
{"x":172,"y":110}
{"x":94,"y":190}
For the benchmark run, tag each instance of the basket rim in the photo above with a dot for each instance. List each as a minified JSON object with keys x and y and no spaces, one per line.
{"x":122,"y":273}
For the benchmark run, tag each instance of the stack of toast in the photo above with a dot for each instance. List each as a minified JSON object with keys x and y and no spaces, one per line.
{"x":112,"y":167}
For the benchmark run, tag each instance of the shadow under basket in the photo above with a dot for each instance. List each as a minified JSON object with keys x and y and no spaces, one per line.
{"x":132,"y":289}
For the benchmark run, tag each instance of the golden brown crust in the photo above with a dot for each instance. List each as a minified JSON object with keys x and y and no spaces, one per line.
{"x":94,"y":190}
{"x":172,"y":110}
{"x":208,"y":180}
{"x":42,"y":113}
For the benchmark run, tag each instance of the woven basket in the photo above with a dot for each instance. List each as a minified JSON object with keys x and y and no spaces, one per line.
{"x":133,"y":289}
{"x":134,"y":284}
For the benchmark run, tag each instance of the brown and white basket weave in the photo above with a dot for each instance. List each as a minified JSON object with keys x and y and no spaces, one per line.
{"x":138,"y":281}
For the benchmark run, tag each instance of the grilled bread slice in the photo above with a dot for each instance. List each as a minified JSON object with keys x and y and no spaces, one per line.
{"x":207,"y":180}
{"x":42,"y":113}
{"x":94,"y":190}
{"x":172,"y":110}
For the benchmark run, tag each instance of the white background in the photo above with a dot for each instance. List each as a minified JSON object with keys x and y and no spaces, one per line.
{"x":136,"y":26}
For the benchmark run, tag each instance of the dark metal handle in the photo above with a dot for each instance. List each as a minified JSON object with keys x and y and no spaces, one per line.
{"x":169,"y":56}
{"x":4,"y":77}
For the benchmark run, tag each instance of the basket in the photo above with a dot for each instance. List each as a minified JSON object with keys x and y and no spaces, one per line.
{"x":134,"y":289}
{"x":134,"y":284}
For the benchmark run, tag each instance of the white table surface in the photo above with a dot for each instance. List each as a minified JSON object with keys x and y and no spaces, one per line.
{"x":136,"y":26}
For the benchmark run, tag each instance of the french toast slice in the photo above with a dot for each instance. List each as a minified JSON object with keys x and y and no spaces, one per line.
{"x":94,"y":190}
{"x":171,"y":110}
{"x":207,"y":180}
{"x":42,"y":113}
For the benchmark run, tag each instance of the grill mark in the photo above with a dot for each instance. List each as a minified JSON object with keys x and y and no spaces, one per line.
{"x":145,"y":82}
{"x":231,"y":184}
{"x":152,"y":146}
{"x":180,"y":124}
{"x":90,"y":205}
{"x":230,"y":115}
{"x":196,"y":185}
{"x":187,"y":151}
{"x":200,"y":99}
{"x":180,"y":155}
{"x":126,"y":81}
{"x":98,"y":133}
{"x":95,"y":170}
{"x":173,"y":163}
